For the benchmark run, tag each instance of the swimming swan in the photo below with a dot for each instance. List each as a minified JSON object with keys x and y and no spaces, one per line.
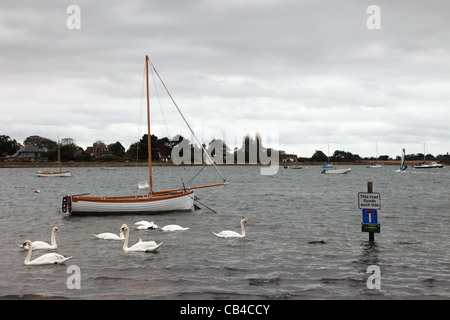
{"x":144,"y":225}
{"x":145,"y":246}
{"x":173,"y":227}
{"x":41,"y":245}
{"x":109,"y":236}
{"x":48,"y":258}
{"x":232,"y":234}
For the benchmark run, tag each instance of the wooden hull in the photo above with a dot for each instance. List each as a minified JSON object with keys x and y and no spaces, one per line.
{"x":54,"y":174}
{"x":159,"y":202}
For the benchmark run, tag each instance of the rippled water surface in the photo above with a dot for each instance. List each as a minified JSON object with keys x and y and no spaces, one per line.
{"x":304,"y":238}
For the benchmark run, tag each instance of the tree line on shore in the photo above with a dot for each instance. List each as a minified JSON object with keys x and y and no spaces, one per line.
{"x":162,"y":149}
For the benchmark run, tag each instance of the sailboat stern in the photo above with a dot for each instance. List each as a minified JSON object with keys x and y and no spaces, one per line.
{"x":67,"y":204}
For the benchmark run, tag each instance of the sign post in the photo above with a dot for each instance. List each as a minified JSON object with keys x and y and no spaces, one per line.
{"x":370,"y":203}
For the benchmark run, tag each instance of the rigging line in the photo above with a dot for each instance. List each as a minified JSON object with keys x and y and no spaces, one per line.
{"x":195,"y":176}
{"x":203,"y":199}
{"x":207,"y":154}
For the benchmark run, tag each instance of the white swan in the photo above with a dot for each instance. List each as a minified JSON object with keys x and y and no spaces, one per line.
{"x":173,"y":227}
{"x":145,"y":246}
{"x":232,"y":234}
{"x":41,"y":245}
{"x":144,"y":225}
{"x":48,"y":258}
{"x":109,"y":236}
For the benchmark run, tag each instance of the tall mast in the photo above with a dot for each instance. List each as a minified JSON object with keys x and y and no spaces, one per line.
{"x":328,"y":154}
{"x":424,"y":154}
{"x":59,"y":155}
{"x":148,"y":134}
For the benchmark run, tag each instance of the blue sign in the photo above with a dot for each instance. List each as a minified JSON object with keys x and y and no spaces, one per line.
{"x":370,"y":216}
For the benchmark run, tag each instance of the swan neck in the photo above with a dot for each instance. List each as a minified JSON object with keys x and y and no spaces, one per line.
{"x":243,"y":229}
{"x":125,"y":243}
{"x":53,"y":239}
{"x":28,"y":258}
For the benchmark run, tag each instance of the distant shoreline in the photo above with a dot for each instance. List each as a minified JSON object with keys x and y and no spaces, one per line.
{"x":169,"y":164}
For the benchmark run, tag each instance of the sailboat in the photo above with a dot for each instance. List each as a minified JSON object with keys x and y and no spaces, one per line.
{"x":430,"y":165}
{"x":328,"y":164}
{"x":375,"y":164}
{"x":58,"y":173}
{"x":154,"y":201}
{"x":402,"y":162}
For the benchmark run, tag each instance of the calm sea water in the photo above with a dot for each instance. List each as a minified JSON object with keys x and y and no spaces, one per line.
{"x":304,"y":238}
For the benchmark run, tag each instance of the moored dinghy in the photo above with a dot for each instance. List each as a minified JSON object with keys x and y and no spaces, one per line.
{"x":53,"y":174}
{"x":336,"y":171}
{"x":57,"y":173}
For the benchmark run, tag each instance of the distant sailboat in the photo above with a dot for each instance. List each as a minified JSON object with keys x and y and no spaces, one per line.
{"x":58,"y":173}
{"x":430,"y":165}
{"x":328,"y":164}
{"x":402,"y":162}
{"x":375,"y":164}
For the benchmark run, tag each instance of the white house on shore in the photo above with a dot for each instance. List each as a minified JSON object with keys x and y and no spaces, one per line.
{"x":27,"y":153}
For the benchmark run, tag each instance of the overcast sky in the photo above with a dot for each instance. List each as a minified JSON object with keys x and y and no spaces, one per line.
{"x":307,"y":73}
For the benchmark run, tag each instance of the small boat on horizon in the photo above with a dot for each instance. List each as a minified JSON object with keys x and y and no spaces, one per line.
{"x":57,"y":173}
{"x":336,"y":171}
{"x":375,"y":164}
{"x":425,"y":165}
{"x":327,"y":164}
{"x":293,"y":167}
{"x":430,"y":165}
